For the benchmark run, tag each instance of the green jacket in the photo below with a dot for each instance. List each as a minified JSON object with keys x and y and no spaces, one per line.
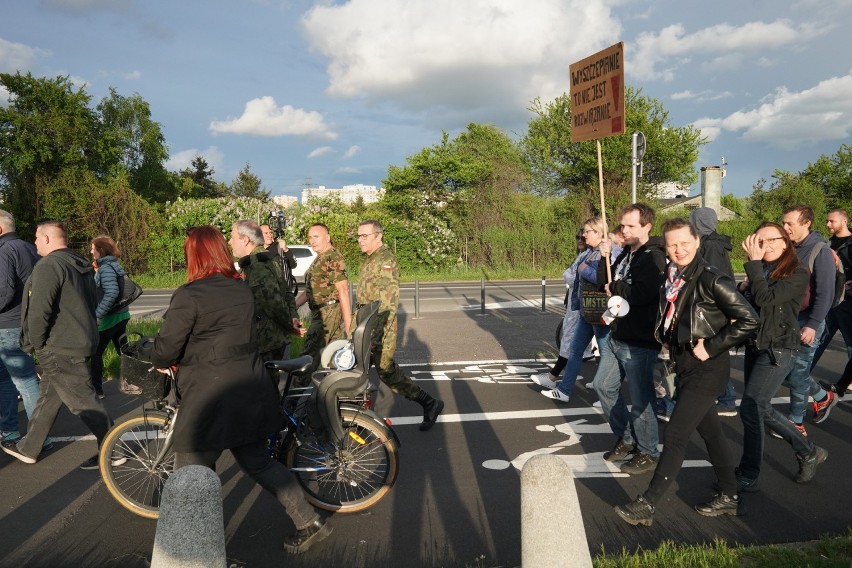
{"x":275,"y":306}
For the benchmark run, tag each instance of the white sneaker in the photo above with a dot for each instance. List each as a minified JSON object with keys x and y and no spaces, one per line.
{"x":556,"y":394}
{"x":543,"y":380}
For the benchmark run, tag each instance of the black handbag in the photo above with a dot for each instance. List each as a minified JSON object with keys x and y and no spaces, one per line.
{"x":128,"y":292}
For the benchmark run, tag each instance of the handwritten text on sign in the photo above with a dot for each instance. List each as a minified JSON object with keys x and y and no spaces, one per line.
{"x":597,"y":95}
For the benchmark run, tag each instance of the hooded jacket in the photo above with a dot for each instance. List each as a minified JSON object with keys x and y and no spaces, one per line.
{"x":58,"y":308}
{"x":641,"y":288}
{"x":17,"y":259}
{"x":822,"y":279}
{"x":714,"y":248}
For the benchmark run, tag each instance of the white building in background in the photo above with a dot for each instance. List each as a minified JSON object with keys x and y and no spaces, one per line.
{"x":347,"y":194}
{"x":284,"y":201}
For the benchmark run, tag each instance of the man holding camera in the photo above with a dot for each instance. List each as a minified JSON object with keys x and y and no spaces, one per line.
{"x":273,"y":243}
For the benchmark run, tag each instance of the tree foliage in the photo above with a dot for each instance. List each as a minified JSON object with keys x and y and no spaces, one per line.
{"x":561,"y":167}
{"x":247,"y":184}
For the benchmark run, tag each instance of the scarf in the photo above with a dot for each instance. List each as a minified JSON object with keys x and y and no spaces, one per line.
{"x":674,"y":282}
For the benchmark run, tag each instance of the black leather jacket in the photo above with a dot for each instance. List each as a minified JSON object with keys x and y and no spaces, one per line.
{"x":708,"y":307}
{"x":778,"y":302}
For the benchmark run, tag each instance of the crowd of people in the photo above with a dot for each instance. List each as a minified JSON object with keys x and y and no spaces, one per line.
{"x":236,"y":311}
{"x":685,"y":305}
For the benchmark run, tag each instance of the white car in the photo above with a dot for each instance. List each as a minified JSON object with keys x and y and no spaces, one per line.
{"x":304,"y":256}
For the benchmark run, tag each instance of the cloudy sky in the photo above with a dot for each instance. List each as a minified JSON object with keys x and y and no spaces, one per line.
{"x":332,"y":93}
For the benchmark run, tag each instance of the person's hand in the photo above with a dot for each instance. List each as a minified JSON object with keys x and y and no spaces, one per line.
{"x":743,"y":286}
{"x":605,"y":247}
{"x":282,"y":245}
{"x":582,"y":267}
{"x":753,"y":248}
{"x":699,"y":352}
{"x":808,"y":335}
{"x":607,"y":290}
{"x":298,"y":329}
{"x":163,"y":371}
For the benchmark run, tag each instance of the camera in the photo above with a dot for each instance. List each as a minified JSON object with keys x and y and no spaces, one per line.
{"x":277,"y":222}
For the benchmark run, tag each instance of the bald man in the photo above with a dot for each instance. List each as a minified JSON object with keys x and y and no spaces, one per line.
{"x":59,"y":326}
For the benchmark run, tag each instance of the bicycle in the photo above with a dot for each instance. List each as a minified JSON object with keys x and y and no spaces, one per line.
{"x":345,"y":462}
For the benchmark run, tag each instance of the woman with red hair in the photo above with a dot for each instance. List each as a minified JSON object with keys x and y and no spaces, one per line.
{"x":227,"y":400}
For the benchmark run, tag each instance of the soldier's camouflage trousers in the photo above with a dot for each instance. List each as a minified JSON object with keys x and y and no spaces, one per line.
{"x":384,"y":346}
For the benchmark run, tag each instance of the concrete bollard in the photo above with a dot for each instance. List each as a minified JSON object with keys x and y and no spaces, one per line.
{"x":552,"y":531}
{"x":190,"y":530}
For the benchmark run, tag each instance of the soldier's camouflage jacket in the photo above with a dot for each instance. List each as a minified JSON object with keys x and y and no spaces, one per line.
{"x":274,"y":304}
{"x":327,"y":269}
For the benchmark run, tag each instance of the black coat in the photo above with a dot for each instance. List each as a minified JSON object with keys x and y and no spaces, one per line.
{"x":709,"y":307}
{"x":226,"y":397}
{"x":778,"y":301}
{"x":641,"y":289}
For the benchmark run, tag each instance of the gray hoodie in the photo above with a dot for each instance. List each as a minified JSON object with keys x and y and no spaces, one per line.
{"x":58,"y":309}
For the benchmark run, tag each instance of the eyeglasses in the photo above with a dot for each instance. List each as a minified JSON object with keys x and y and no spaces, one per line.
{"x":762,"y":242}
{"x":584,"y":231}
{"x":363,"y":236}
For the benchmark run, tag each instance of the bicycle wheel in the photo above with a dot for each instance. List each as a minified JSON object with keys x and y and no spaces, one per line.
{"x":351,"y":475}
{"x":127,"y":463}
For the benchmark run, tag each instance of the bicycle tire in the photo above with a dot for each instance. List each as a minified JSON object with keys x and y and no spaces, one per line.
{"x":350,"y":476}
{"x":136,"y":484}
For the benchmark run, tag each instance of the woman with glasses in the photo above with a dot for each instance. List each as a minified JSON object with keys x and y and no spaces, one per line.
{"x":585,"y":278}
{"x":775,"y":284}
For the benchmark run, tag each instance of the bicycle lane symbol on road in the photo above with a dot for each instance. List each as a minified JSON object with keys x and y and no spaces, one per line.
{"x":582,"y":465}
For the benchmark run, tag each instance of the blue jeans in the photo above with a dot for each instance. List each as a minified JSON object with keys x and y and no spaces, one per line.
{"x":799,"y":380}
{"x":729,"y":397}
{"x":582,"y":336}
{"x":763,"y":378}
{"x":838,"y":318}
{"x":17,"y":375}
{"x":622,"y":361}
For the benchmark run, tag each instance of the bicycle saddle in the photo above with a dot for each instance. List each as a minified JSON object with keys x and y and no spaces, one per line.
{"x":299,"y":364}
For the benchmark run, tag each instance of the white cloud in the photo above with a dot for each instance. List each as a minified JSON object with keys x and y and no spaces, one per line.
{"x":183,"y":159}
{"x":133,"y":75}
{"x":792,"y":119}
{"x":480,"y":60}
{"x":658,"y":55}
{"x":701,"y":97}
{"x":262,"y":117}
{"x":351,"y":152}
{"x":18,"y":57}
{"x":321,"y":151}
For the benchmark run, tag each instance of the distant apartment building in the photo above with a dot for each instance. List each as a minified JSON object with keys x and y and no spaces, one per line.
{"x":347,"y":194}
{"x":284,"y":201}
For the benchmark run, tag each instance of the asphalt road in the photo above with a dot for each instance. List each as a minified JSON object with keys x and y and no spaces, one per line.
{"x":457,"y":498}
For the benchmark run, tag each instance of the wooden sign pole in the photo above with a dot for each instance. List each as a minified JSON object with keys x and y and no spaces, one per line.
{"x":603,"y":210}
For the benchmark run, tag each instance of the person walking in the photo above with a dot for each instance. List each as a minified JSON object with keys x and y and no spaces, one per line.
{"x":285,"y":256}
{"x":327,"y":295}
{"x":112,"y":324}
{"x":715,"y":249}
{"x":378,"y":279}
{"x":701,"y":316}
{"x":775,"y":284}
{"x":798,"y":221}
{"x":572,"y":315}
{"x":585,"y":279}
{"x":275,"y":320}
{"x":17,"y":369}
{"x":227,"y":400}
{"x":58,"y":324}
{"x":632,"y":349}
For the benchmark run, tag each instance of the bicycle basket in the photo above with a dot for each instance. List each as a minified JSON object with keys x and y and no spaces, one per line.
{"x":137,"y":369}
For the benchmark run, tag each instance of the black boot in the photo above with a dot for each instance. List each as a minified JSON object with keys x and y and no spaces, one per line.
{"x":431,"y":409}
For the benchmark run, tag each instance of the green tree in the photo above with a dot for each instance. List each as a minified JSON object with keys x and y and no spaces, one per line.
{"x":247,"y":184}
{"x":203,"y":185}
{"x":47,"y":129}
{"x":90,"y":206}
{"x":786,"y":190}
{"x":833,"y":176}
{"x":135,"y":143}
{"x":561,"y":167}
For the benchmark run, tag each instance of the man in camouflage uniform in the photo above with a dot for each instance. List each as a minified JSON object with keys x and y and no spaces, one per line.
{"x":379,"y":280}
{"x":327,"y":294}
{"x":275,"y":307}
